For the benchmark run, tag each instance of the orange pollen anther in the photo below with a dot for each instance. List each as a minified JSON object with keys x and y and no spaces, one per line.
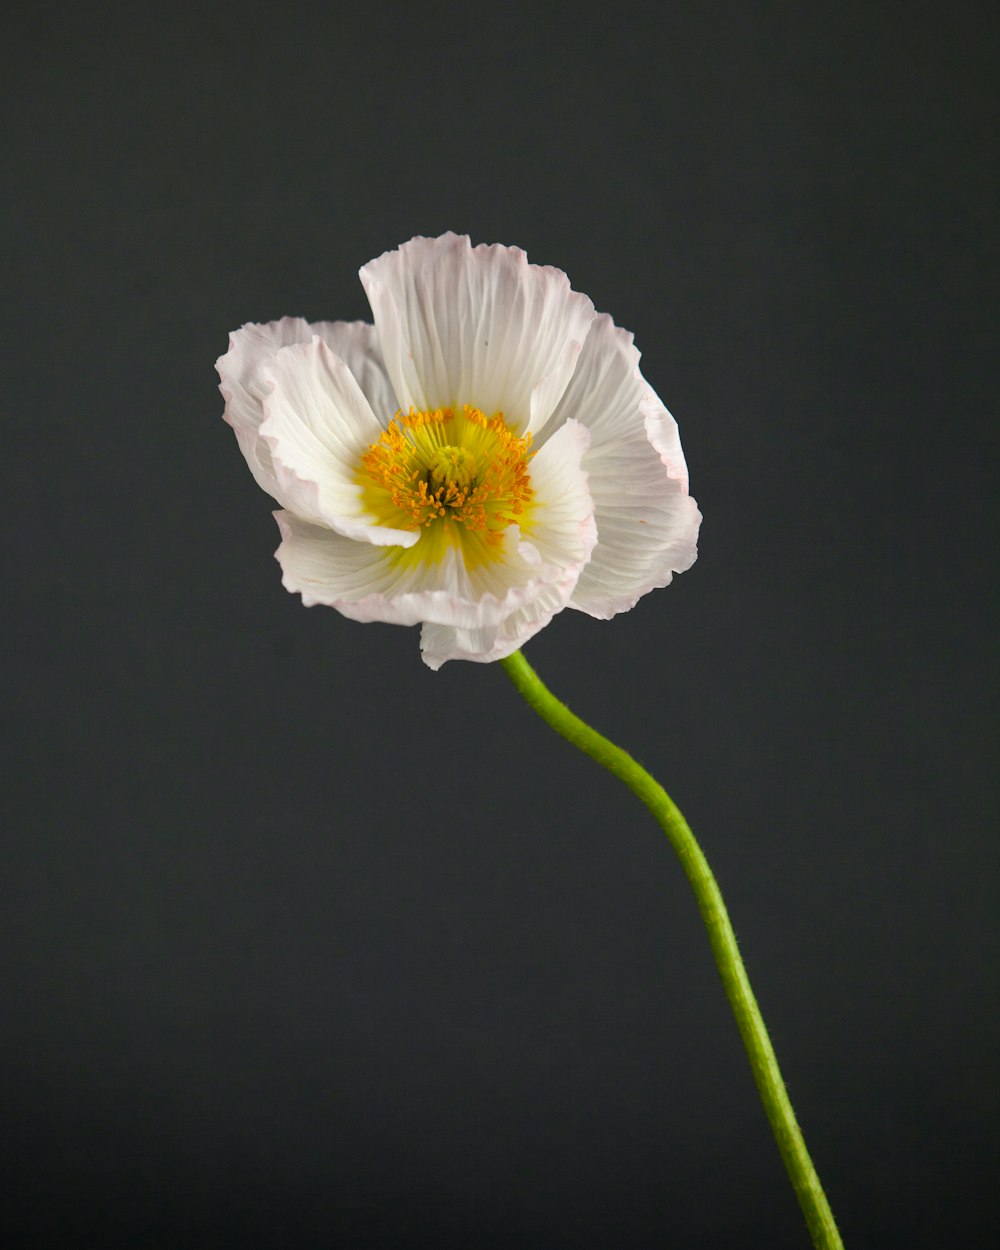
{"x":438,"y":467}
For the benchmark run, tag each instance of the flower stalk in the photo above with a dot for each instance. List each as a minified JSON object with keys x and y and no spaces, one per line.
{"x":749,"y":1020}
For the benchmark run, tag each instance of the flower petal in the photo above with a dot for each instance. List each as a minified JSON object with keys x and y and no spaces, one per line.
{"x":367,"y":583}
{"x":355,"y":577}
{"x":440,"y":643}
{"x":242,"y":383}
{"x":356,"y":343}
{"x":647,"y":524}
{"x":318,"y":424}
{"x":252,"y":350}
{"x":479,"y":326}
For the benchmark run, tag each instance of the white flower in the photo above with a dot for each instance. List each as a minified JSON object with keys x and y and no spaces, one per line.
{"x":484,"y":456}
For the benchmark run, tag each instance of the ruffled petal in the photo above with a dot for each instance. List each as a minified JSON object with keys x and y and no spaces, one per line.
{"x":561,"y":531}
{"x":368,"y":583}
{"x":318,"y":424}
{"x":479,"y":326}
{"x":647,"y":524}
{"x":361,"y":580}
{"x":241,"y":381}
{"x":440,"y":643}
{"x":244,"y":385}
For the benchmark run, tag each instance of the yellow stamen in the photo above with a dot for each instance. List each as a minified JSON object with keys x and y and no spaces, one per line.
{"x":463,"y":479}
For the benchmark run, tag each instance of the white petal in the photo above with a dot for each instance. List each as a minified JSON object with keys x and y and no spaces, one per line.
{"x":440,"y":643}
{"x":563,"y":533}
{"x":480,"y":326}
{"x":561,"y":525}
{"x":318,"y":424}
{"x":366,"y":583}
{"x":356,"y":577}
{"x":252,"y":350}
{"x":243,"y":386}
{"x":647,"y":524}
{"x":356,"y":343}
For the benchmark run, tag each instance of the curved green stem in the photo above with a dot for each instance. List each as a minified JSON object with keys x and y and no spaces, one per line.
{"x":751,"y":1025}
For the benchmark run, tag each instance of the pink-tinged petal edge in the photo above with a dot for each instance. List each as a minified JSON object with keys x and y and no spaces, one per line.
{"x":647,"y":524}
{"x":245,"y":384}
{"x":317,"y":425}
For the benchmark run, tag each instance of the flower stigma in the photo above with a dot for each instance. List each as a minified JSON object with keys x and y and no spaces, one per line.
{"x":452,"y":468}
{"x":461,"y":478}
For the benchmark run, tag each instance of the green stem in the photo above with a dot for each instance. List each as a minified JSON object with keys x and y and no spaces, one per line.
{"x":751,"y":1025}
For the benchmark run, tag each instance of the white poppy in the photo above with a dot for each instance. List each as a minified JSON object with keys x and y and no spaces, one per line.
{"x":483,"y":456}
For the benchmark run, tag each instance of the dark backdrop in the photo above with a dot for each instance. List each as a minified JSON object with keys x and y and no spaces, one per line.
{"x":305,"y":945}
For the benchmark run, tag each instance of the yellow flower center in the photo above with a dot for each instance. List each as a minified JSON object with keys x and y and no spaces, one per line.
{"x":452,"y":470}
{"x":459,"y":478}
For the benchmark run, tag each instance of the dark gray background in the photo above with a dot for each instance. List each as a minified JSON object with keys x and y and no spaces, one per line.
{"x":304,"y":945}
